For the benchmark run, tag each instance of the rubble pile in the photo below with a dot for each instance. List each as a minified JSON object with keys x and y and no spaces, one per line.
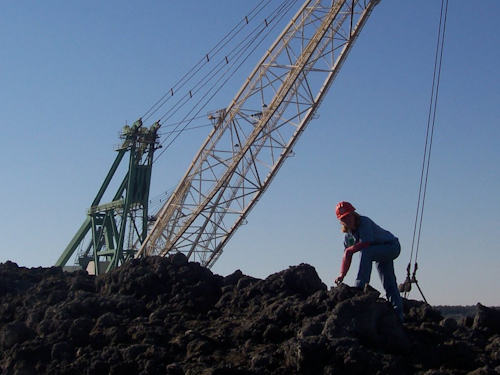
{"x":171,"y":316}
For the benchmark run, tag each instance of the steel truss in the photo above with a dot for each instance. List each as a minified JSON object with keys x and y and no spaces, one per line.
{"x":117,"y":228}
{"x":255,"y":134}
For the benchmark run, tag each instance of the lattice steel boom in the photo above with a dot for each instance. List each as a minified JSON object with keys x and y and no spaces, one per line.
{"x":255,"y":134}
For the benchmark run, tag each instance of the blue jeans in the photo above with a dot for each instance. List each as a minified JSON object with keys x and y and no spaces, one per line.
{"x":383,"y":256}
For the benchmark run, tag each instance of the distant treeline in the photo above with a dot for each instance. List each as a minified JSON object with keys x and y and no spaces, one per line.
{"x":458,"y":311}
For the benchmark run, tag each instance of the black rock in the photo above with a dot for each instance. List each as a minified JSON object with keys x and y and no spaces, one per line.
{"x":14,"y":333}
{"x":158,"y":315}
{"x":487,"y":318}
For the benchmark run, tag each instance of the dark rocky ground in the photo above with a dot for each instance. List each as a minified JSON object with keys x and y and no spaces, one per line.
{"x":168,"y":316}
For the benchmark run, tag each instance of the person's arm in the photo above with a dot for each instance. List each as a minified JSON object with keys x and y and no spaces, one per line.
{"x":347,"y":258}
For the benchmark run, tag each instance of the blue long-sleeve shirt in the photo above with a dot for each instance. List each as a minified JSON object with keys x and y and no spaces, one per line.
{"x":368,"y":231}
{"x":366,"y":234}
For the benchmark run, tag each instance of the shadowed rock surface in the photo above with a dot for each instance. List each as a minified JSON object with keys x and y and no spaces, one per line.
{"x":171,"y":316}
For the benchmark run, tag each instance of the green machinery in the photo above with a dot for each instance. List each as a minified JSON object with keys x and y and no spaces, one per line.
{"x":118,"y":228}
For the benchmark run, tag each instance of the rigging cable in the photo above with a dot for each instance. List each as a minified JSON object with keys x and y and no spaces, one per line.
{"x":238,"y":50}
{"x":168,"y":133}
{"x":431,"y":120}
{"x":228,"y":70}
{"x":206,"y":58}
{"x":284,"y":8}
{"x":219,"y":67}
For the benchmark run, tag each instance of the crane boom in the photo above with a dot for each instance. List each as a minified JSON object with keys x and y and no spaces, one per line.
{"x":255,"y":134}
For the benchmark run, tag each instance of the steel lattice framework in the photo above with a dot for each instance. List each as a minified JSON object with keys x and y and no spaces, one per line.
{"x":255,"y":134}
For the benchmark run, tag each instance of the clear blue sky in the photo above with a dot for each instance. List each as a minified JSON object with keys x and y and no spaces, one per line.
{"x":72,"y":73}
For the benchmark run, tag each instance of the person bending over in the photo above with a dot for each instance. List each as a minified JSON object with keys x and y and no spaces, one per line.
{"x":376,"y":245}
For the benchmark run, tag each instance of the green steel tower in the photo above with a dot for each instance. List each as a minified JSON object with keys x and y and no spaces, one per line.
{"x":118,"y":228}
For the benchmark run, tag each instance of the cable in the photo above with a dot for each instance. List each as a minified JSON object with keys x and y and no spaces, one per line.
{"x":202,"y":61}
{"x":433,"y":124}
{"x":180,"y":122}
{"x":221,"y":64}
{"x":284,"y":8}
{"x":431,"y":120}
{"x":206,"y":58}
{"x":190,"y":128}
{"x":238,"y":50}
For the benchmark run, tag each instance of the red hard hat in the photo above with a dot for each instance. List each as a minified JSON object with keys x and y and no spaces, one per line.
{"x":343,"y":209}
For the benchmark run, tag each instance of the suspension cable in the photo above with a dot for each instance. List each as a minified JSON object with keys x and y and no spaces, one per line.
{"x":232,"y":69}
{"x":431,"y":120}
{"x":180,"y":122}
{"x":206,"y":58}
{"x":233,"y":56}
{"x":223,"y":62}
{"x":186,"y":129}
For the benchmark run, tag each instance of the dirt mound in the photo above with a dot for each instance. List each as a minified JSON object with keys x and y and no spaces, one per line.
{"x":157,"y":315}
